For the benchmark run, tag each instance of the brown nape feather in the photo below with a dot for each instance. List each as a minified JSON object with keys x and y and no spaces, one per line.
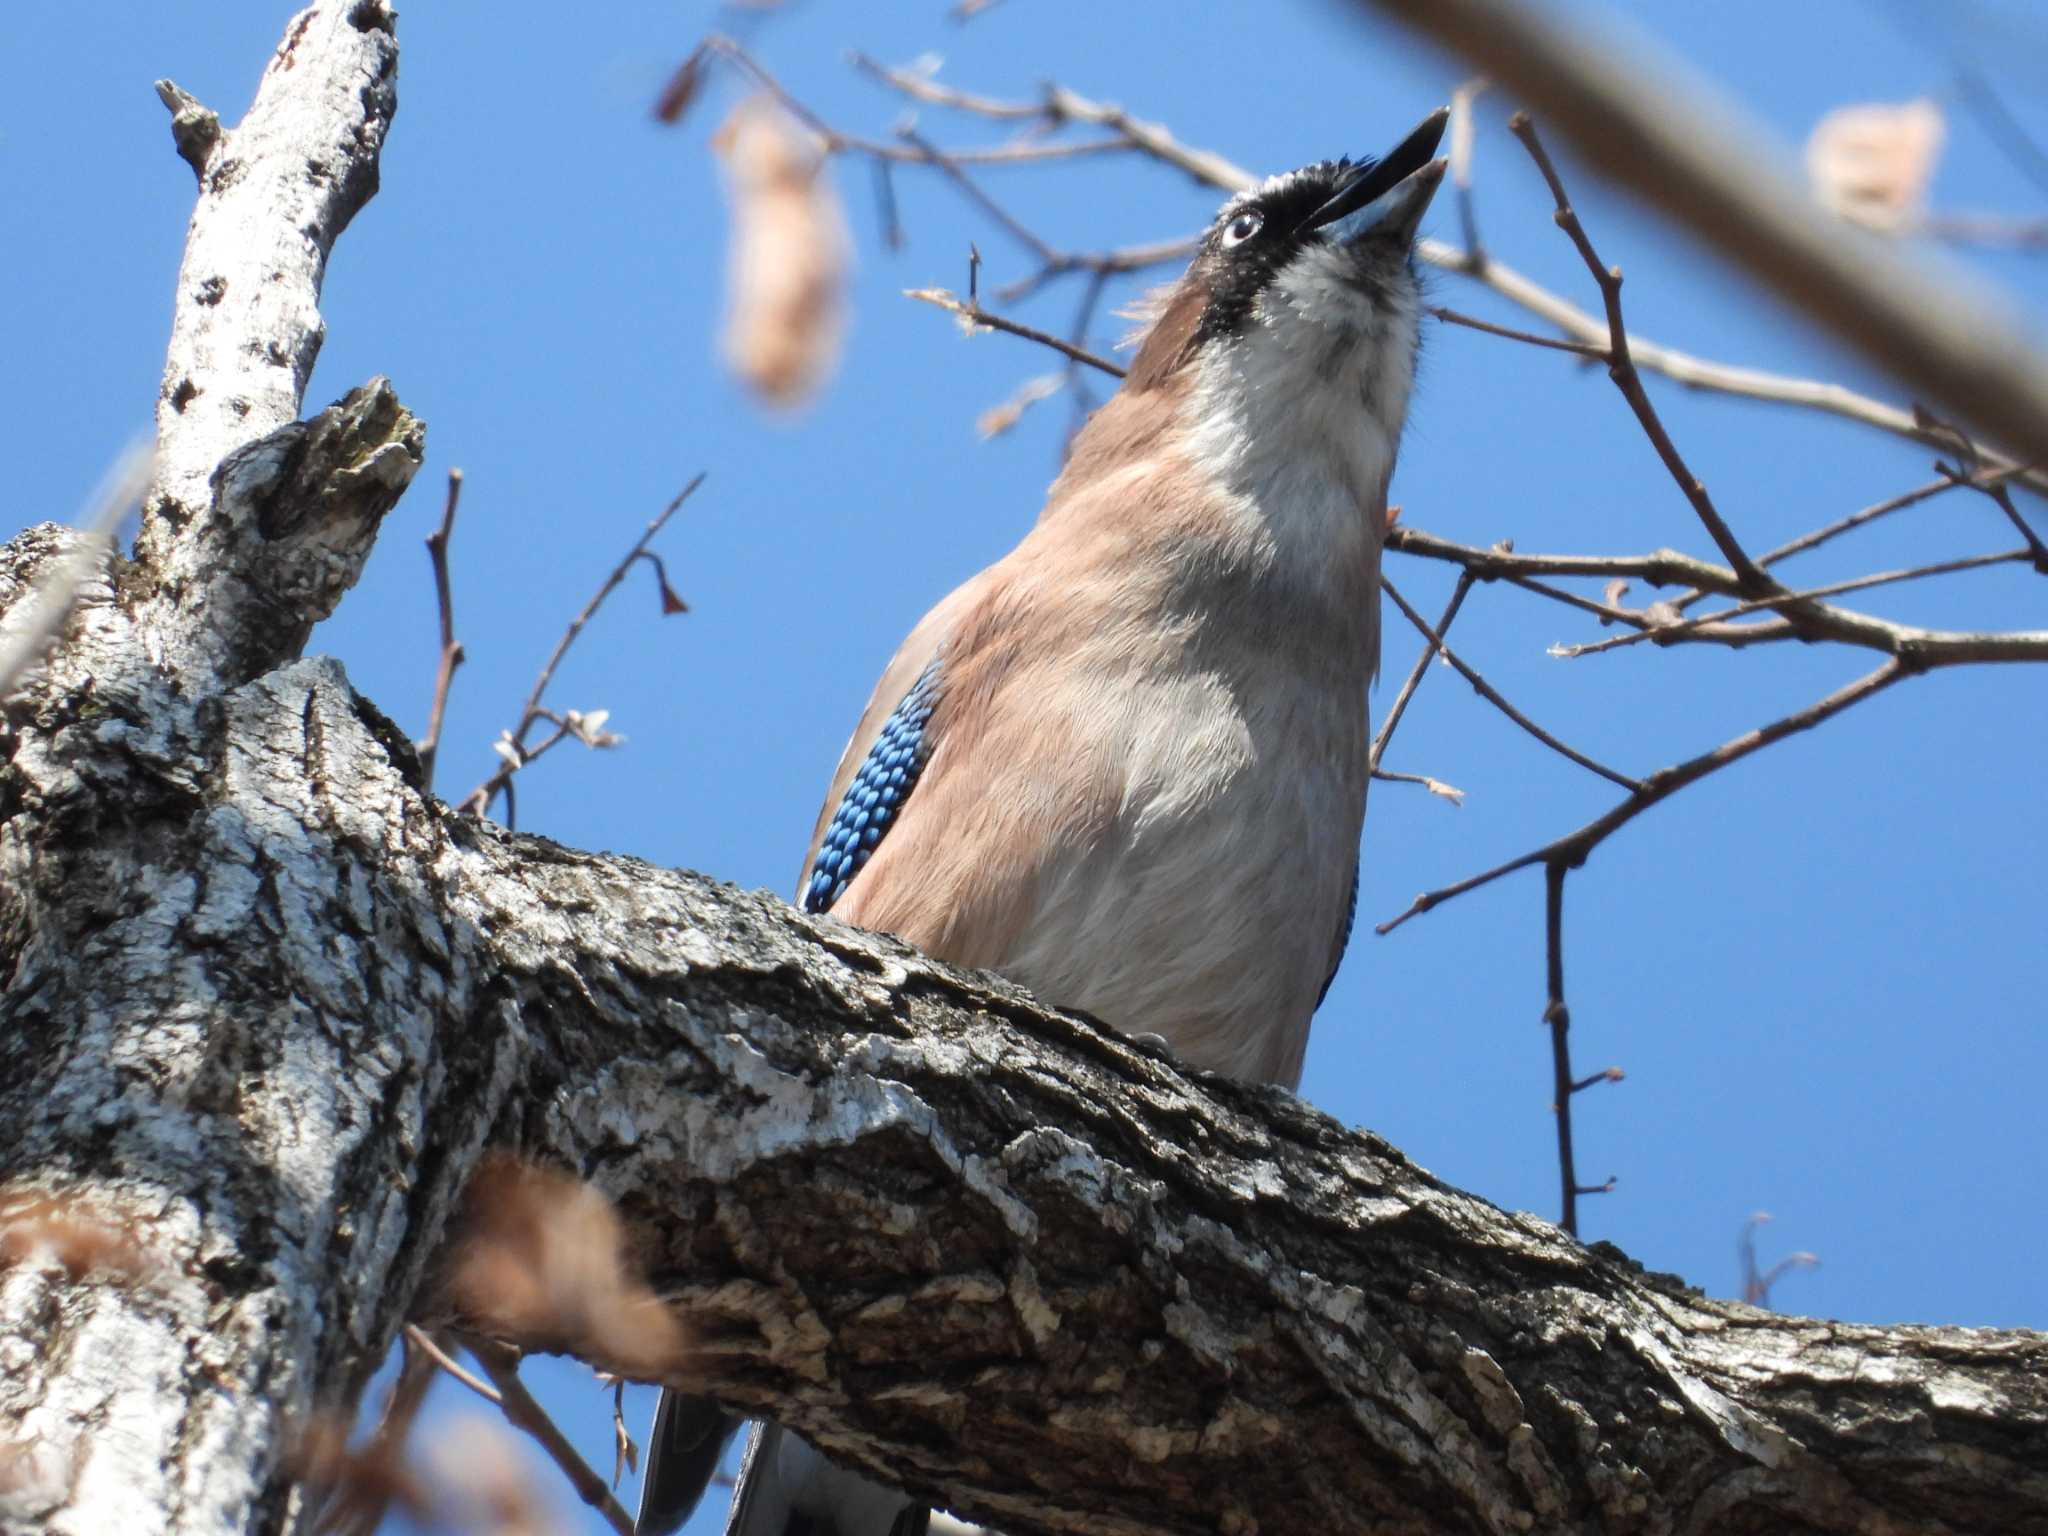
{"x":1169,"y":341}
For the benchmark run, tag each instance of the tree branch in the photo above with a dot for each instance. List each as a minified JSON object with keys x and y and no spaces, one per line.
{"x":275,"y":193}
{"x":1682,"y":152}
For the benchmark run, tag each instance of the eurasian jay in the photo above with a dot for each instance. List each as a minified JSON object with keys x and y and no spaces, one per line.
{"x":1126,"y":765}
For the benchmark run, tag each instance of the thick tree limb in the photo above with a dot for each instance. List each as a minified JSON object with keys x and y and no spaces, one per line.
{"x":275,"y":193}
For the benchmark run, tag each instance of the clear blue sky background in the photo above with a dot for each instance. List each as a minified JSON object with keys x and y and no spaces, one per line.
{"x":1821,"y":971}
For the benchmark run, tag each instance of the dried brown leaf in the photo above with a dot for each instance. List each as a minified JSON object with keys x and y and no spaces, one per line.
{"x":60,"y":1236}
{"x":681,"y":90}
{"x":788,"y":264}
{"x":542,"y":1259}
{"x":1872,"y":163}
{"x":482,"y":1470}
{"x":360,"y":1482}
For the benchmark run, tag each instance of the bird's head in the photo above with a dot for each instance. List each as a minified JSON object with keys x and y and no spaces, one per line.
{"x":1312,"y":271}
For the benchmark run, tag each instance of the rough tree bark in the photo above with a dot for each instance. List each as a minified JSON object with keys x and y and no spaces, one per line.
{"x":267,"y":1004}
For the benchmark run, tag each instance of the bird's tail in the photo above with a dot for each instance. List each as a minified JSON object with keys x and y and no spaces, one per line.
{"x":683,"y":1448}
{"x":788,"y":1488}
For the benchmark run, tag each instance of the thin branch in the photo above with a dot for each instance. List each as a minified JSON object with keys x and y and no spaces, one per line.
{"x":1698,"y":373}
{"x":1667,"y":567}
{"x":1623,"y":371}
{"x":430,"y":1349}
{"x":451,"y":648}
{"x":359,"y":1504}
{"x":1854,"y":520}
{"x":1756,"y":1285}
{"x":1587,"y":350}
{"x":479,"y":800}
{"x":1665,"y":634}
{"x":1991,"y":229}
{"x":835,"y":143}
{"x":1575,"y":846}
{"x":1430,"y":649}
{"x":1113,"y":263}
{"x":501,"y":1364}
{"x":1435,"y":786}
{"x":974,"y":314}
{"x":2037,"y":552}
{"x":922,"y":88}
{"x":1559,"y":1017}
{"x":1462,"y":99}
{"x":1061,"y":105}
{"x":1998,"y":121}
{"x":950,"y":169}
{"x":1492,"y":696}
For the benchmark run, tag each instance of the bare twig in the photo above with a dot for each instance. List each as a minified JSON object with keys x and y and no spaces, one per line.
{"x":1059,"y":106}
{"x":1756,"y":1286}
{"x":431,"y":1348}
{"x":1623,"y":371}
{"x":949,"y":167}
{"x":1587,"y":350}
{"x":1690,"y":629}
{"x":2037,"y":552}
{"x":1493,"y":696}
{"x":451,"y":648}
{"x":1854,"y":520}
{"x":1997,"y":230}
{"x":975,"y":315}
{"x":1575,"y":846}
{"x":501,"y":1364}
{"x":1998,"y":121}
{"x":517,"y":754}
{"x":1461,"y":165}
{"x":359,"y":1504}
{"x":1062,"y":106}
{"x":834,"y":142}
{"x":1436,"y":787}
{"x":1667,"y":567}
{"x":1559,"y":1017}
{"x":1430,"y":648}
{"x":1101,"y":264}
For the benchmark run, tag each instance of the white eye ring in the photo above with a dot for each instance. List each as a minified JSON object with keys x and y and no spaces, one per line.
{"x":1243,"y":227}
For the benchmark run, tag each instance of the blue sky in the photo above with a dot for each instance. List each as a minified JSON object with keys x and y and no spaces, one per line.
{"x":1821,"y":970}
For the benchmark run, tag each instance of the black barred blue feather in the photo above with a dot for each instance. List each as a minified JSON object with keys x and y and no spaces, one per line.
{"x":876,"y":795}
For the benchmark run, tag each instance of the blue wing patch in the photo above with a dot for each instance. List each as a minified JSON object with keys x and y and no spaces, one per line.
{"x":1344,"y":940}
{"x":875,"y":796}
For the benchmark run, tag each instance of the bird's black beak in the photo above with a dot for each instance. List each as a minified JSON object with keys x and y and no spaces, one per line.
{"x":1388,"y":198}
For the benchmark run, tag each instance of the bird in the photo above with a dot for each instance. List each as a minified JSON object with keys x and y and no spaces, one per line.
{"x":1126,"y":765}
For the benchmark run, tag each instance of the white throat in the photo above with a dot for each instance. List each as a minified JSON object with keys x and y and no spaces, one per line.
{"x":1298,"y":418}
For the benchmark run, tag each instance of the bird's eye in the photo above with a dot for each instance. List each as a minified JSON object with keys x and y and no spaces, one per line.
{"x":1242,"y":228}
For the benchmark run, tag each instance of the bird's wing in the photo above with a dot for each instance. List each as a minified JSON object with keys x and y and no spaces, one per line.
{"x":881,"y":762}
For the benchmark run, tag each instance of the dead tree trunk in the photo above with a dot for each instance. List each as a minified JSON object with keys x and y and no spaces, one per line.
{"x":267,"y":1004}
